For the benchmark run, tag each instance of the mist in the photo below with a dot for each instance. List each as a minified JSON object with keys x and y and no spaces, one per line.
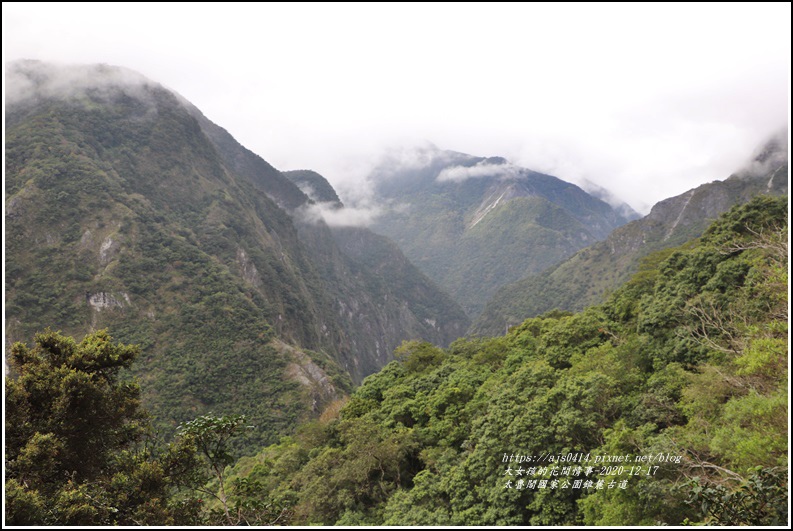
{"x":483,"y":169}
{"x":32,"y":81}
{"x":646,"y":101}
{"x":334,"y":215}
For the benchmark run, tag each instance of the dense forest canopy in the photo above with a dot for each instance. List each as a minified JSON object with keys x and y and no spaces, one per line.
{"x":667,"y":404}
{"x":685,"y":364}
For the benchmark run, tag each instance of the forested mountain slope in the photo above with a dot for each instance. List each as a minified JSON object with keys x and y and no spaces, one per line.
{"x":592,"y":273}
{"x":126,"y":208}
{"x":666,"y":404}
{"x":474,"y":224}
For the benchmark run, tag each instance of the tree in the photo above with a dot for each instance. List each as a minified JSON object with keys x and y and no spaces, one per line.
{"x":210,"y":435}
{"x":418,"y":355}
{"x":78,"y":447}
{"x":760,"y":500}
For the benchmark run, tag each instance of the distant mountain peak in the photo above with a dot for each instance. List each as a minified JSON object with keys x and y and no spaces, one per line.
{"x":775,"y":148}
{"x":496,"y":160}
{"x":314,"y":185}
{"x":475,"y":223}
{"x":769,"y":159}
{"x":609,"y":197}
{"x":587,"y":276}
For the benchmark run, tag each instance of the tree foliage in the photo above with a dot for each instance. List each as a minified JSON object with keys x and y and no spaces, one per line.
{"x":79,"y":447}
{"x":760,"y":500}
{"x":687,"y":360}
{"x":77,"y":444}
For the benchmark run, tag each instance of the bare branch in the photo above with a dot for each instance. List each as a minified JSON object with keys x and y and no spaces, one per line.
{"x":718,"y":329}
{"x":772,"y":238}
{"x":733,"y":475}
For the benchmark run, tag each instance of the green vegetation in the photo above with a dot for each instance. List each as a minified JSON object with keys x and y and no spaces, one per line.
{"x":687,"y":360}
{"x":128,"y":210}
{"x":474,"y":236}
{"x":674,"y":392}
{"x":80,"y":450}
{"x":593,"y":273}
{"x":76,"y":447}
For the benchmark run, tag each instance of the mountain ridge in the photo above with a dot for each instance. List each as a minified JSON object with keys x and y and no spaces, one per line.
{"x":588,"y":276}
{"x":473,"y":224}
{"x":127,"y":208}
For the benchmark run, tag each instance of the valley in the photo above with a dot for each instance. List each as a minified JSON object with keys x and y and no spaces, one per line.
{"x":195,"y":337}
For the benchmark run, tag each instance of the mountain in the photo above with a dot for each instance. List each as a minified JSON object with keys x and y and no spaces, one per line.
{"x":624,"y":209}
{"x":314,"y":185}
{"x":589,"y":275}
{"x":474,"y":224}
{"x":666,"y":405}
{"x":126,"y":208}
{"x":379,"y":296}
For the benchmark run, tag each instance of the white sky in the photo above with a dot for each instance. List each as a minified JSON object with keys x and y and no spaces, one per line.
{"x":646,"y":100}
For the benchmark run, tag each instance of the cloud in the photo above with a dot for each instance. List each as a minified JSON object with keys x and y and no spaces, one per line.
{"x":769,"y":157}
{"x":483,"y":169}
{"x":617,"y":103}
{"x":412,"y":155}
{"x":335,"y":216}
{"x":32,"y":81}
{"x":308,"y":190}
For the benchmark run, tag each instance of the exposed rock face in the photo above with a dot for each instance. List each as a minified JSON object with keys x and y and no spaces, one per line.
{"x":104,"y":300}
{"x":311,"y":376}
{"x":380,"y":298}
{"x":498,"y":193}
{"x":248,"y":269}
{"x":474,"y":224}
{"x":590,"y":274}
{"x":128,"y":209}
{"x":108,"y":250}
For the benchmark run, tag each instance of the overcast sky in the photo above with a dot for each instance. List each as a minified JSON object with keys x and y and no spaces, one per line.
{"x":645,"y":100}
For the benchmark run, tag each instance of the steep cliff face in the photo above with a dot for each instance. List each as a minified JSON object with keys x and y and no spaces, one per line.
{"x":589,"y":275}
{"x":406,"y":305}
{"x":128,"y":209}
{"x":473,"y":224}
{"x":371,"y":297}
{"x":378,"y":297}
